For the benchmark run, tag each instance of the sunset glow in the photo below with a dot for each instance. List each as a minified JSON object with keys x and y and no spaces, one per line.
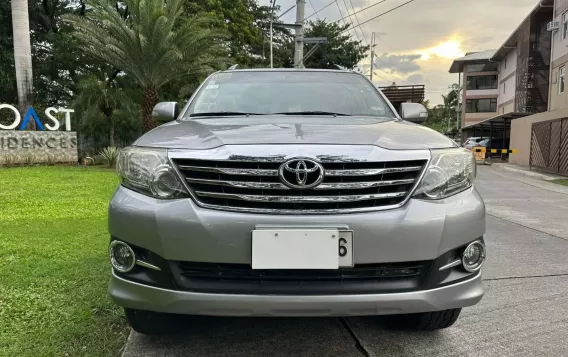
{"x":448,"y":49}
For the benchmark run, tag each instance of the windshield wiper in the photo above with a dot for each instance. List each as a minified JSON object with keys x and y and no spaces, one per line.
{"x":220,"y":114}
{"x":314,"y":112}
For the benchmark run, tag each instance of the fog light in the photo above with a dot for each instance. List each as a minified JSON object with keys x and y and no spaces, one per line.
{"x":474,"y":256}
{"x":122,"y":257}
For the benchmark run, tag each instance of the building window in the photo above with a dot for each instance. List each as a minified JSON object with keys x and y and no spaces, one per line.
{"x":561,"y":74}
{"x":481,"y":105}
{"x":505,"y":62}
{"x":504,"y":87}
{"x":483,"y":67}
{"x":482,"y":82}
{"x":564,"y":25}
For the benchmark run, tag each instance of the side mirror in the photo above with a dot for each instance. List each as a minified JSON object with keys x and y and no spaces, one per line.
{"x":414,"y":112}
{"x":165,"y":111}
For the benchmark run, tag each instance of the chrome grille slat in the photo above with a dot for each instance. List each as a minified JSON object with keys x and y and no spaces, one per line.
{"x":360,"y":185}
{"x":231,"y":171}
{"x":241,"y":184}
{"x":244,"y":184}
{"x":371,"y":172}
{"x":299,"y":199}
{"x":279,"y":186}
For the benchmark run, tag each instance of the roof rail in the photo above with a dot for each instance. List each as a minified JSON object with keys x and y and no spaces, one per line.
{"x":233,"y":67}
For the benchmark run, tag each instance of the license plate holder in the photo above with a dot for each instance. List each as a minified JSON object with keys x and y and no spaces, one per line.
{"x":302,"y":249}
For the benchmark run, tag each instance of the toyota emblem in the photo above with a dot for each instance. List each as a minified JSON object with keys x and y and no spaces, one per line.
{"x":301,"y":173}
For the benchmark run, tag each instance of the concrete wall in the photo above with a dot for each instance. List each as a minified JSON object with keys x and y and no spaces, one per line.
{"x":558,"y":100}
{"x":478,"y":92}
{"x":559,"y":46}
{"x":507,"y":83}
{"x":507,"y":90}
{"x":521,"y":134}
{"x":472,"y":118}
{"x":560,"y":6}
{"x":61,"y":146}
{"x":511,"y":64}
{"x":506,"y":107}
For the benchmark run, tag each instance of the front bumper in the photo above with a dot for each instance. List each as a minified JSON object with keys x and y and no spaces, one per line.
{"x":179,"y":230}
{"x":138,"y":296}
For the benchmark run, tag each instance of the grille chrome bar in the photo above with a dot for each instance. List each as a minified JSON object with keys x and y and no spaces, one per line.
{"x":241,"y":184}
{"x":279,"y":186}
{"x":371,"y":172}
{"x":229,"y":171}
{"x":300,"y":199}
{"x":360,"y":185}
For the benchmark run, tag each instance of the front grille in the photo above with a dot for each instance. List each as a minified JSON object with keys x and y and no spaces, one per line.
{"x":242,"y":279}
{"x":256,"y":187}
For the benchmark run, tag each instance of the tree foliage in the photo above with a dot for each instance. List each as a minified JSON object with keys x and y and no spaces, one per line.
{"x":442,"y":117}
{"x":102,"y":97}
{"x":151,"y":42}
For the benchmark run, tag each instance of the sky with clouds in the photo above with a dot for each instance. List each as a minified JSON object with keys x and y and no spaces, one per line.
{"x":417,"y":43}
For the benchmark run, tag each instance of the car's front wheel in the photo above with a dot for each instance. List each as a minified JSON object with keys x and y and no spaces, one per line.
{"x":426,"y":321}
{"x":150,"y":322}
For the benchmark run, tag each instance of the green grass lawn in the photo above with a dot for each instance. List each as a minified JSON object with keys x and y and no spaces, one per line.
{"x":54,"y":269}
{"x":561,"y":182}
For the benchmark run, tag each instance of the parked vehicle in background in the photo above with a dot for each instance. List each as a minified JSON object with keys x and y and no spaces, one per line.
{"x":295,"y":192}
{"x":470,"y":142}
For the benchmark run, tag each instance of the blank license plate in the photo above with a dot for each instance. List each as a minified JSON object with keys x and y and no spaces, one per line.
{"x":301,"y":249}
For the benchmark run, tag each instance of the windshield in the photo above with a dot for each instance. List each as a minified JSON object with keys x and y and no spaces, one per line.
{"x":288,"y":92}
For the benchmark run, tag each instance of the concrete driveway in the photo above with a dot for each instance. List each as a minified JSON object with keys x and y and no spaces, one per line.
{"x":524,"y":311}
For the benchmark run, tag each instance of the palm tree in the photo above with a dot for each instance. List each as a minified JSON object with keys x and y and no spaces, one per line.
{"x":151,"y":42}
{"x":22,"y":55}
{"x":104,"y":97}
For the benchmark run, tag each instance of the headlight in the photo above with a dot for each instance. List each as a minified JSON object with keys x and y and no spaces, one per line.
{"x":450,"y":171}
{"x":149,"y":171}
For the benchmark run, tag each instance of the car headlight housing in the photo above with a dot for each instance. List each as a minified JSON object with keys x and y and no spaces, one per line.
{"x":149,"y":171}
{"x":450,"y":171}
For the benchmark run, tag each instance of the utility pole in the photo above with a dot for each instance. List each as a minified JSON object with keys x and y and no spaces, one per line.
{"x":456,"y":88}
{"x":271,"y":20}
{"x":299,"y":40}
{"x":372,"y":54}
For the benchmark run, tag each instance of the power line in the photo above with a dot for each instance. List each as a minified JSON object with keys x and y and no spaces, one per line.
{"x":375,"y":73}
{"x":368,"y":7}
{"x":358,"y":22}
{"x":350,"y":19}
{"x":345,"y":22}
{"x":323,"y":8}
{"x":375,"y":17}
{"x":313,"y":8}
{"x":395,"y":77}
{"x":384,"y":13}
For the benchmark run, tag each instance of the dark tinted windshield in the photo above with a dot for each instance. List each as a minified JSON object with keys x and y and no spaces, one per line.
{"x":268,"y":92}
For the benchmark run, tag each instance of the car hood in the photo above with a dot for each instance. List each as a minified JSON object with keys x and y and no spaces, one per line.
{"x":208,"y":133}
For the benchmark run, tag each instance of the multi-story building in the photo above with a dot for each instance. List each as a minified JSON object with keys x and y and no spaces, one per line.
{"x":480,"y":90}
{"x":530,"y":88}
{"x":513,"y":78}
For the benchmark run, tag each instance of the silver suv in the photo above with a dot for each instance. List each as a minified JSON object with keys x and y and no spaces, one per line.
{"x":295,"y":193}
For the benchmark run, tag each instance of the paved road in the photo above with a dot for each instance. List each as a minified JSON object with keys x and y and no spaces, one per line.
{"x":524,"y":311}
